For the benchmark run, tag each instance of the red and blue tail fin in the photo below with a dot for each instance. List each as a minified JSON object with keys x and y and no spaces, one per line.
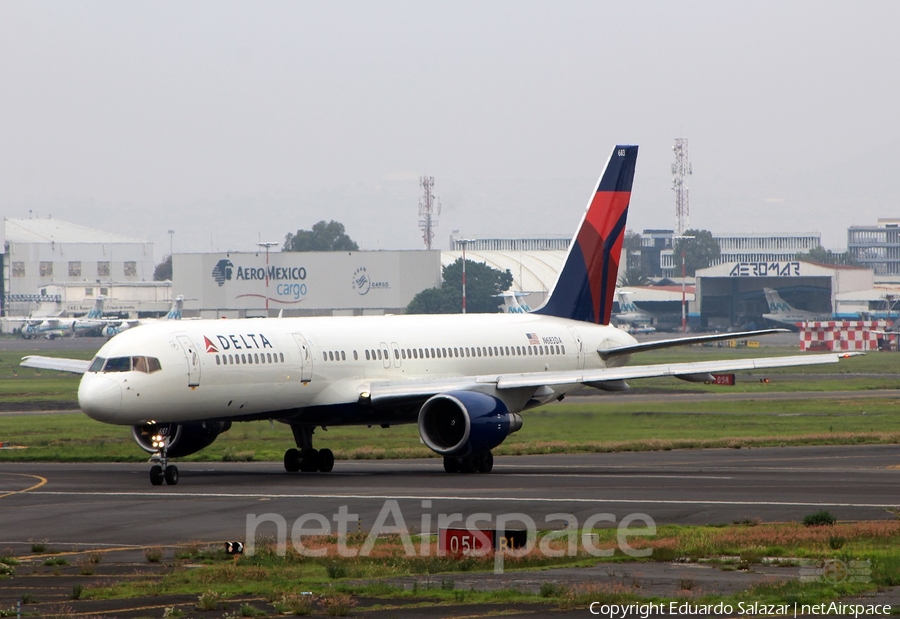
{"x":585,"y":287}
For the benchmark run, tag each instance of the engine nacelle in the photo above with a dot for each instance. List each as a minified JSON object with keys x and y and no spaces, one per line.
{"x":459,"y":423}
{"x":183,"y":439}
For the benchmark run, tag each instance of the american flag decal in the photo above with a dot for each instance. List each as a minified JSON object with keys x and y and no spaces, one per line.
{"x":533,"y":339}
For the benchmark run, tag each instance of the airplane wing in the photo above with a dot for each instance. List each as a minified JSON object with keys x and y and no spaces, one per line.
{"x":76,"y":366}
{"x":387,"y":392}
{"x":606,"y":353}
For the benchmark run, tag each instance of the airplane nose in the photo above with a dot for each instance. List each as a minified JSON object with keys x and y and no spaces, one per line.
{"x":99,"y":397}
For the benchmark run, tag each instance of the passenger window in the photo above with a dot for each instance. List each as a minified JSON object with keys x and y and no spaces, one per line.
{"x":281,"y":354}
{"x":415,"y":353}
{"x":269,"y":357}
{"x":218,"y":362}
{"x":97,"y":364}
{"x":118,"y":364}
{"x":367,"y":354}
{"x":396,"y":354}
{"x":343,"y":356}
{"x":355,"y":356}
{"x":563,"y":349}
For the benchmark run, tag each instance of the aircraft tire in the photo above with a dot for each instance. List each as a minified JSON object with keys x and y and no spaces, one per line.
{"x":292,"y":460}
{"x":309,"y":460}
{"x":486,"y":464}
{"x":156,"y":475}
{"x":451,"y":464}
{"x":171,"y":475}
{"x":470,"y":464}
{"x":326,"y":460}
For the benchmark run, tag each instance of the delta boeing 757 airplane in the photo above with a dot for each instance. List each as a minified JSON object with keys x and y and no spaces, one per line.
{"x":464,"y":378}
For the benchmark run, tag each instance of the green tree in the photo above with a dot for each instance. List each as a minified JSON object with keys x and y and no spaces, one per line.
{"x":163,"y":270}
{"x":483,"y":283}
{"x":633,"y":277}
{"x":826,"y":256}
{"x":699,"y":252}
{"x":323,"y":237}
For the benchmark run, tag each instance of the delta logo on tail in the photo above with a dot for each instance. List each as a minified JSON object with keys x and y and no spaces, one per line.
{"x":585,"y":287}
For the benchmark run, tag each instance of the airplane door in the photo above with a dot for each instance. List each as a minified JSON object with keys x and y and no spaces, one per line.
{"x":193,"y":360}
{"x":579,"y":348}
{"x":306,"y":361}
{"x":395,"y":350}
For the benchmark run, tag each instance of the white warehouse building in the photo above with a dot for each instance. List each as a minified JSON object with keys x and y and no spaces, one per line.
{"x":42,"y":257}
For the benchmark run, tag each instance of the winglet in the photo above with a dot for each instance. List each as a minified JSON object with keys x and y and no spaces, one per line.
{"x":585,"y":287}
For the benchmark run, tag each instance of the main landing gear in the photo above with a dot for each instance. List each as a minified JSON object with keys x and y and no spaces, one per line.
{"x":161,"y":470}
{"x":473,"y":463}
{"x":305,"y":458}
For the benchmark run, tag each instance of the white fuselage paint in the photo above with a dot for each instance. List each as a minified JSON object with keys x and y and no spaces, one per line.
{"x":193,"y":386}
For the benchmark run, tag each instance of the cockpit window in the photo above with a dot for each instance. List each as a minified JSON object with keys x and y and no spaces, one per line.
{"x":118,"y":364}
{"x":153,"y":365}
{"x":97,"y":364}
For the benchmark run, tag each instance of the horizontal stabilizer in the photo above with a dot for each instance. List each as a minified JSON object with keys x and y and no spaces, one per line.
{"x":606,"y":353}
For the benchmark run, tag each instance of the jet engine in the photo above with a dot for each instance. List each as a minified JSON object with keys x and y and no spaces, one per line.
{"x":183,"y":439}
{"x":460,"y":423}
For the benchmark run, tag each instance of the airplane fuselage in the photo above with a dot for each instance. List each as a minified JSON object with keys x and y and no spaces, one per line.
{"x":315,"y":370}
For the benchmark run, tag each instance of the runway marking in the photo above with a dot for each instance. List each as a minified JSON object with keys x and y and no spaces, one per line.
{"x":626,"y":476}
{"x":433,"y":497}
{"x":43,"y":480}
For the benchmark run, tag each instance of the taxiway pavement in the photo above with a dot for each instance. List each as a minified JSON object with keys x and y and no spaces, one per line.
{"x":114,"y":504}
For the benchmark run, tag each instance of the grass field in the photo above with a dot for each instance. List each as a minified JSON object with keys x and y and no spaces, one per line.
{"x":613,"y":424}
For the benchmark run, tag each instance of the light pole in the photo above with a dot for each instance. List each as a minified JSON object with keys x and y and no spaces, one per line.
{"x":267,"y":245}
{"x":683,"y":277}
{"x":464,"y":243}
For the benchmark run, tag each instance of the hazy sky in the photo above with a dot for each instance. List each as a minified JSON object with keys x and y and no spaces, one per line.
{"x":231,"y":122}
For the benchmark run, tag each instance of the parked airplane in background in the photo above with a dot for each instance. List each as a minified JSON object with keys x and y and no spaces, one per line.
{"x":114,"y":327}
{"x":780,"y":311}
{"x":463,"y":378}
{"x":89,"y":324}
{"x":630,"y":314}
{"x":511,"y":303}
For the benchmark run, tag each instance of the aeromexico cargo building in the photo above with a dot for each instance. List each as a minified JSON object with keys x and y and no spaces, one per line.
{"x":237,"y":284}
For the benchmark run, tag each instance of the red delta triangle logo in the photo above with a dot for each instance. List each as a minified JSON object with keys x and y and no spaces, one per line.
{"x":210,"y":347}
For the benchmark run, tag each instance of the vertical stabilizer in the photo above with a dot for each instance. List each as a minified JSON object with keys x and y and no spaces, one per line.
{"x":777,"y":305}
{"x":175,"y":312}
{"x":585,"y":286}
{"x":97,"y":309}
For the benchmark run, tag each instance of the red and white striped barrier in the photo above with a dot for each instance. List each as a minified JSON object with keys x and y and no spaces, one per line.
{"x":839,"y":335}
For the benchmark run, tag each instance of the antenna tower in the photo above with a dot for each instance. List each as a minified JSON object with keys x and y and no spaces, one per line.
{"x":681,"y":169}
{"x":429,"y":209}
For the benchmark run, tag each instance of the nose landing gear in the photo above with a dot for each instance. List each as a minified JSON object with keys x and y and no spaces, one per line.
{"x":161,"y":470}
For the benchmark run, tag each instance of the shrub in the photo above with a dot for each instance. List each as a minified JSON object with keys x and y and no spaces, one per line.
{"x":209,"y":600}
{"x":154,"y":554}
{"x":818,"y":519}
{"x":836,"y":542}
{"x":336,"y":570}
{"x":77,"y":590}
{"x":337,"y":604}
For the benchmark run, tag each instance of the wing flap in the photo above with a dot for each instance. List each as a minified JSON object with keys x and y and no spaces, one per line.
{"x":76,"y":366}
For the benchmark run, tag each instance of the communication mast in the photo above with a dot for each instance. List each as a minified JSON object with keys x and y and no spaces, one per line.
{"x":681,"y":169}
{"x":429,"y":209}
